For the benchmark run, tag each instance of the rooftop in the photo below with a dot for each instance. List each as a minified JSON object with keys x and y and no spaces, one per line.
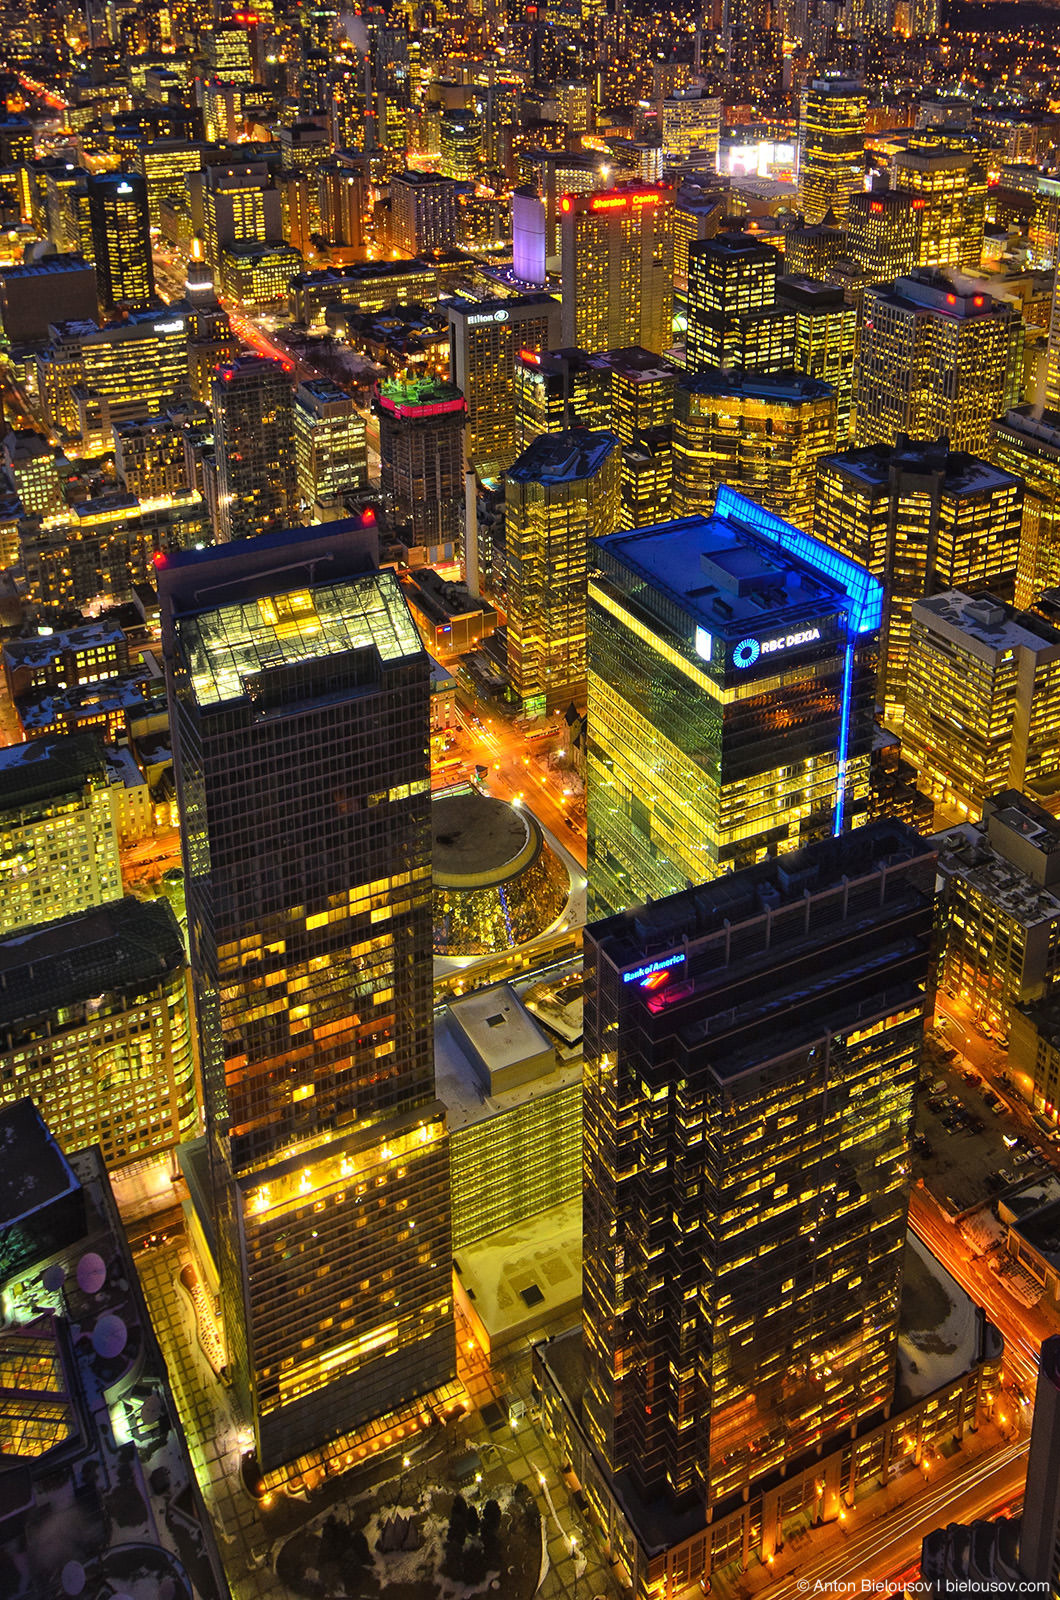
{"x":41,"y":651}
{"x":477,"y":839}
{"x":1036,"y":429}
{"x":951,"y":296}
{"x":420,"y":397}
{"x":785,"y":575}
{"x":34,"y":1173}
{"x":127,"y":943}
{"x":44,"y":769}
{"x":987,"y":627}
{"x":873,"y":465}
{"x":569,"y":457}
{"x":782,"y":388}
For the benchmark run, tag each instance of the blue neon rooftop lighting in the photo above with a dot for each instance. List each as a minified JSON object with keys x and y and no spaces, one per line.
{"x":864,"y":591}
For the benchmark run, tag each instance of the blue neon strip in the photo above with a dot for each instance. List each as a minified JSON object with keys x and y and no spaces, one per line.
{"x":864,"y":591}
{"x":844,"y":738}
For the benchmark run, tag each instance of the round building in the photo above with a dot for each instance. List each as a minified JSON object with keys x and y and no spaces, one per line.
{"x":497,"y":881}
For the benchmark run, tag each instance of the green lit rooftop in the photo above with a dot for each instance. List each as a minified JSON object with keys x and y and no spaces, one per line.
{"x":225,"y":646}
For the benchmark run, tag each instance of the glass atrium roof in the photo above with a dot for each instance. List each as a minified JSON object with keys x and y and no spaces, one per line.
{"x":224,"y":646}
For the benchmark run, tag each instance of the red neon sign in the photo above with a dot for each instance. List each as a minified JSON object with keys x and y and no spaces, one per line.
{"x":621,"y":202}
{"x":531,"y":355}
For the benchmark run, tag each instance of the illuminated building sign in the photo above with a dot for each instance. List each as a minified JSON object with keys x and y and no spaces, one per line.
{"x":170,"y":327}
{"x":748,"y":651}
{"x":489,"y":316}
{"x":650,"y":968}
{"x":622,"y":202}
{"x":704,"y":644}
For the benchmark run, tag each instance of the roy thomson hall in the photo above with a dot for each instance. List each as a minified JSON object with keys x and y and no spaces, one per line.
{"x":763,"y":1343}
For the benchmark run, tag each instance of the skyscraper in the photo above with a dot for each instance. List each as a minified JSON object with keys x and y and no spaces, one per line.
{"x":300,"y":694}
{"x":751,"y":1058}
{"x":617,"y":261}
{"x":251,"y":404}
{"x":733,"y":317}
{"x":883,"y":232}
{"x":121,"y":241}
{"x":921,"y":518}
{"x":485,"y":339}
{"x":1027,"y":444}
{"x":946,"y":172}
{"x":982,"y":709}
{"x":831,"y":146}
{"x":731,"y":692}
{"x":330,"y":446}
{"x":562,"y":492}
{"x":935,"y":358}
{"x":762,"y":434}
{"x":421,"y":449}
{"x":825,"y":338}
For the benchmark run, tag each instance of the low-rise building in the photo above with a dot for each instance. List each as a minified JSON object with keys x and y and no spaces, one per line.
{"x":54,"y":661}
{"x":451,"y":619}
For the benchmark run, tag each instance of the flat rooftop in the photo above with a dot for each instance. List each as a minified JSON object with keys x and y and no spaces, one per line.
{"x":125,"y":943}
{"x":872,"y":465}
{"x":33,"y":1170}
{"x":44,"y":769}
{"x":782,"y":388}
{"x":39,"y":652}
{"x":556,"y":458}
{"x":989,"y":628}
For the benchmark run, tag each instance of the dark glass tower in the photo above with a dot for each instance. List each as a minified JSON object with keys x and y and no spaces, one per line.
{"x":253,"y":412}
{"x":300,"y":693}
{"x":751,"y":1056}
{"x":731,"y":695}
{"x":121,"y":241}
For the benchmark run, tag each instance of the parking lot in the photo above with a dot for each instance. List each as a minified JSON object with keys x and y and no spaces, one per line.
{"x":967,"y":1149}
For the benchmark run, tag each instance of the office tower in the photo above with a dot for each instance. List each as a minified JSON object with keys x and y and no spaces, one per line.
{"x":921,"y":518}
{"x":734,"y":322}
{"x":883,"y":232}
{"x":699,"y":213}
{"x":637,"y":391}
{"x":762,"y":434}
{"x":731,"y":691}
{"x":559,"y":389}
{"x":485,"y":339}
{"x":982,"y":708}
{"x":228,"y":52}
{"x":947,"y":173}
{"x":562,"y":492}
{"x":89,"y":377}
{"x":999,"y":909}
{"x":165,"y":165}
{"x":1027,"y":443}
{"x":149,"y":458}
{"x":74,"y":1310}
{"x":423,"y":211}
{"x":32,"y":470}
{"x":935,"y":358}
{"x":460,"y":136}
{"x":58,"y":843}
{"x":34,"y":294}
{"x":300,"y":693}
{"x":421,"y":452}
{"x":330,"y":443}
{"x":117,"y":1070}
{"x":690,"y":122}
{"x":240,"y":206}
{"x":342,"y":202}
{"x":121,"y":241}
{"x":831,"y":146}
{"x":617,"y":262}
{"x":1052,"y":353}
{"x":1034,"y":1051}
{"x":816,"y":252}
{"x":254,"y":447}
{"x":751,"y":1058}
{"x":1039,"y":1557}
{"x":825,"y":338}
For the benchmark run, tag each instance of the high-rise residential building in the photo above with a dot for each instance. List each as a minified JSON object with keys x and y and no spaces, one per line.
{"x":343,"y":183}
{"x":421,"y":451}
{"x":831,"y":146}
{"x":762,"y":434}
{"x":561,"y":492}
{"x":121,"y":241}
{"x":922,"y":518}
{"x":149,"y":458}
{"x":58,"y":842}
{"x":734,"y":321}
{"x":935,"y":358}
{"x":617,"y":264}
{"x":1027,"y":444}
{"x":423,"y":211}
{"x":300,"y":692}
{"x":115,"y":1070}
{"x":254,"y":447}
{"x":330,"y":443}
{"x":999,"y":910}
{"x":883,"y":232}
{"x":947,"y":173}
{"x":731,"y":694}
{"x":485,"y":339}
{"x":825,"y":338}
{"x":33,"y":472}
{"x":982,"y":709}
{"x":751,"y":1058}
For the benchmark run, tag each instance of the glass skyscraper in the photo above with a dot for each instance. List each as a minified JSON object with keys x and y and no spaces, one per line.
{"x":300,"y":694}
{"x":731,"y":693}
